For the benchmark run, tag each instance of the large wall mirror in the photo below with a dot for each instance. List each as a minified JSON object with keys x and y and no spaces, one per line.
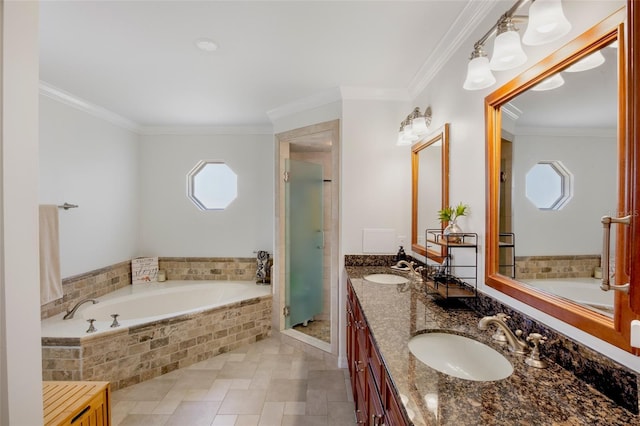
{"x":578,"y":128}
{"x":429,"y":189}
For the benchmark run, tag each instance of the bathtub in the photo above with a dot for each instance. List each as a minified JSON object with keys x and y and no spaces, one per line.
{"x":163,"y":326}
{"x":585,"y":291}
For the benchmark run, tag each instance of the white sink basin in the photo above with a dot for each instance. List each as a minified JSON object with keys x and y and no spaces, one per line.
{"x":460,"y":356}
{"x":386,"y":279}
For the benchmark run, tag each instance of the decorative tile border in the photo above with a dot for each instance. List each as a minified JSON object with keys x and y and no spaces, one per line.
{"x":106,"y":280}
{"x":544,"y":267}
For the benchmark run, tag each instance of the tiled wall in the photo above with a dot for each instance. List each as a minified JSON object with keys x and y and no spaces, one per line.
{"x":129,"y":356}
{"x":105,"y":280}
{"x":544,"y":267}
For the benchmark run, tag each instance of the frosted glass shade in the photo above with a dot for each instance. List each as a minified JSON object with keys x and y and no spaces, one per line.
{"x":402,"y":141}
{"x":479,"y":74}
{"x":419,"y":126}
{"x":549,"y":83}
{"x":547,"y":23}
{"x":507,"y":52}
{"x":588,"y":62}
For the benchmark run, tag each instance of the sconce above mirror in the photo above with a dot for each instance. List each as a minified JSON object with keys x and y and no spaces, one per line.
{"x":429,"y":189}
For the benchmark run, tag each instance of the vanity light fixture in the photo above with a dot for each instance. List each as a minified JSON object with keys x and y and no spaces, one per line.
{"x":546,"y":23}
{"x":414,"y":127}
{"x":507,"y":50}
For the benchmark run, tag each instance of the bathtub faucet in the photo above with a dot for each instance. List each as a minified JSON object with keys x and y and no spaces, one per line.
{"x":72,"y":311}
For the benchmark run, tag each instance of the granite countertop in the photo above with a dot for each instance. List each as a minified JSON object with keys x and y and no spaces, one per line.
{"x":530,"y":396}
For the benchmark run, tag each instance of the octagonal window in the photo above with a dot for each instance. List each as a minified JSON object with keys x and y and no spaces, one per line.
{"x":548,"y":185}
{"x":212,"y":185}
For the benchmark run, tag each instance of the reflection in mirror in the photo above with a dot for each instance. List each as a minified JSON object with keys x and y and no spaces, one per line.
{"x":558,"y":249}
{"x":580,"y":125}
{"x":430,"y":189}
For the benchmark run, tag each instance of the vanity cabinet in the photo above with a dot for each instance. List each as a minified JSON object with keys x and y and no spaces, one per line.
{"x":374,"y":396}
{"x":76,"y":403}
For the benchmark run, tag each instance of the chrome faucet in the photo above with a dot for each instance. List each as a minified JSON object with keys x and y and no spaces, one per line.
{"x":414,"y":271}
{"x":72,"y":311}
{"x":514,"y":344}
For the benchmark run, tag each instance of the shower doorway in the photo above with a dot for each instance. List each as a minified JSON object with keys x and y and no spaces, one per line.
{"x":306,"y":252}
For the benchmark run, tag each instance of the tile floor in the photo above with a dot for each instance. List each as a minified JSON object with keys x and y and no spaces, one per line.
{"x":267,"y":383}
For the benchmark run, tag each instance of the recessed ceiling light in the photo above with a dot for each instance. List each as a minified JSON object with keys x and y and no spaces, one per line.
{"x":206,"y":45}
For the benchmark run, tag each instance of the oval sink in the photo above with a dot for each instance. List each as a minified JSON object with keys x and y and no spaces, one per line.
{"x":460,"y":356}
{"x":386,"y":279}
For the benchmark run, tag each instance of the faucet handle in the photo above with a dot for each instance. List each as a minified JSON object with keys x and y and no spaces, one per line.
{"x":534,"y":359}
{"x":91,"y":327}
{"x":115,"y":322}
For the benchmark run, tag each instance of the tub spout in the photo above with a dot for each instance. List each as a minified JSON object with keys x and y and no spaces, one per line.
{"x":71,"y":312}
{"x":515,"y":344}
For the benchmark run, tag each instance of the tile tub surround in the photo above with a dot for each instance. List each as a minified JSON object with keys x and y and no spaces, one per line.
{"x":108,"y":279}
{"x":542,"y":267}
{"x":132,"y":355}
{"x":529,"y":396}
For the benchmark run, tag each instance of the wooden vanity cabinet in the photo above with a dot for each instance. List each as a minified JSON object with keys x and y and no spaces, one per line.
{"x":373,"y":394}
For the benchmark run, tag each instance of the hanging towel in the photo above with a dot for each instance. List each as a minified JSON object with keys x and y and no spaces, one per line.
{"x":50,"y":281}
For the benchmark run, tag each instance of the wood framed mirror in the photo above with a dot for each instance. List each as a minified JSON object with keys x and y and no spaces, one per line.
{"x":583,"y":126}
{"x":429,"y":189}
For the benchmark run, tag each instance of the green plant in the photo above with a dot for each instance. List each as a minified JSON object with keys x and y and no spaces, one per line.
{"x":450,"y":214}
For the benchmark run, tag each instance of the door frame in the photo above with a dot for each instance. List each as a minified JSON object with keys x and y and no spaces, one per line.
{"x":319,"y":135}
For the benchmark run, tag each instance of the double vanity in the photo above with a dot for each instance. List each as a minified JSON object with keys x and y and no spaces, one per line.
{"x":415,"y":359}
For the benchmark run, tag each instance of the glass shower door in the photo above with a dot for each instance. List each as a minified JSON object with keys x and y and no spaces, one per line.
{"x":304,"y":241}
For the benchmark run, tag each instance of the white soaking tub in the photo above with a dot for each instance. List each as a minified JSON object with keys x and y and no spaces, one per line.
{"x":585,"y":291}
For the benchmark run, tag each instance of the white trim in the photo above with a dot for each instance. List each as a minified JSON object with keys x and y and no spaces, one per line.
{"x":304,"y":104}
{"x":465,"y":24}
{"x":511,"y":111}
{"x":205,"y":130}
{"x":368,"y":93}
{"x":305,"y":338}
{"x":596,"y":132}
{"x":74,"y":101}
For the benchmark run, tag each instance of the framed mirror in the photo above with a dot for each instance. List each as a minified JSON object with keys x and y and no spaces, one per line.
{"x":581,"y":125}
{"x":429,"y":189}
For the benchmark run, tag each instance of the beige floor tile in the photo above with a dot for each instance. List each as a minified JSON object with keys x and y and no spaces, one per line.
{"x":144,"y":420}
{"x":271,"y":414}
{"x":194,"y":413}
{"x":288,"y":420}
{"x":295,"y":408}
{"x":144,"y":407}
{"x":287,"y":390}
{"x":248,"y":420}
{"x":224,"y":420}
{"x":239,"y":401}
{"x":265,"y":383}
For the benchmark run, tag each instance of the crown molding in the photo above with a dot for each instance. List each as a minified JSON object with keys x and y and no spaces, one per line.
{"x":367,"y":93}
{"x":304,"y":104}
{"x":76,"y":102}
{"x":206,"y":130}
{"x":465,"y":24}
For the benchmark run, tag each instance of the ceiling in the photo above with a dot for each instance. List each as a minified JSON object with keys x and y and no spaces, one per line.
{"x":137,"y":59}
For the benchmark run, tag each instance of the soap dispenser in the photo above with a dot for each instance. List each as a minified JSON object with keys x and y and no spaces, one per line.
{"x":401,"y":255}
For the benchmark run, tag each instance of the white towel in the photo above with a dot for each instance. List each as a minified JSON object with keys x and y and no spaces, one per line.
{"x":50,"y":280}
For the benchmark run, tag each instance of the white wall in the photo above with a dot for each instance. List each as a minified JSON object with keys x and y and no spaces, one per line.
{"x":90,"y":162}
{"x":20,"y":350}
{"x":376,"y":174}
{"x":171,"y":225}
{"x":591,"y":157}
